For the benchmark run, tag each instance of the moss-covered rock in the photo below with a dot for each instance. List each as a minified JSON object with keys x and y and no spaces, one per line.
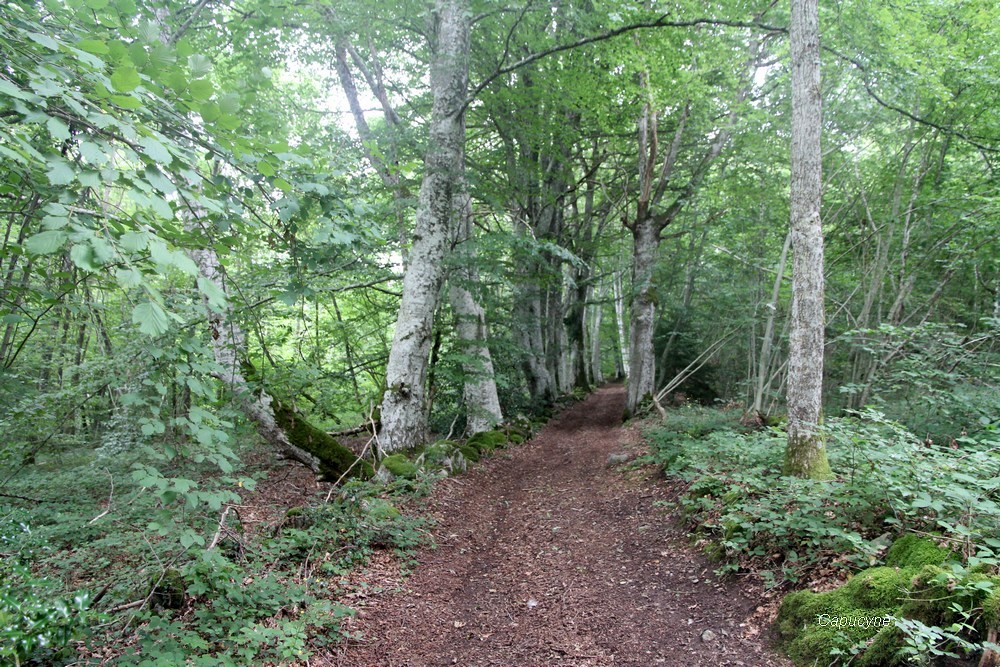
{"x":334,"y":458}
{"x":912,"y":584}
{"x":167,"y":589}
{"x":399,"y":466}
{"x":487,"y":441}
{"x":470,"y":453}
{"x":297,"y":517}
{"x":879,"y":587}
{"x":914,"y":551}
{"x":991,"y":608}
{"x":443,"y":455}
{"x":814,"y":624}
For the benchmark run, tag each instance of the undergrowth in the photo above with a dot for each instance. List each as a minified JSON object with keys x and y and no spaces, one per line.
{"x":888,"y":483}
{"x":147,"y":580}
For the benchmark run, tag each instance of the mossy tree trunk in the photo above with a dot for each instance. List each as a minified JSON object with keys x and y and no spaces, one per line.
{"x":805,"y":455}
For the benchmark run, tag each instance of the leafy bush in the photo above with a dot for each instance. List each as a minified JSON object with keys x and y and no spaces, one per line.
{"x":263,"y":605}
{"x":888,"y":481}
{"x":34,"y":620}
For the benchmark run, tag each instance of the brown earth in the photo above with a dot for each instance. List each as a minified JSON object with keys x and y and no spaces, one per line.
{"x":547,"y":556}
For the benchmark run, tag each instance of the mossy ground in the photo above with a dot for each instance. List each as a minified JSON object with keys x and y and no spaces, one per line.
{"x":912,"y":584}
{"x":398,"y":465}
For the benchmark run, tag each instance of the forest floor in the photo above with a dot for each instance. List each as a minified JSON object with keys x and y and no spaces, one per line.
{"x":546,"y":555}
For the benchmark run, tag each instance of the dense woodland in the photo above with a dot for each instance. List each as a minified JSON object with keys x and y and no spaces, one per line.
{"x":237,"y":232}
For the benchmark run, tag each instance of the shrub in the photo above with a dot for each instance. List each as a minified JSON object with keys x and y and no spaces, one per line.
{"x":34,"y":621}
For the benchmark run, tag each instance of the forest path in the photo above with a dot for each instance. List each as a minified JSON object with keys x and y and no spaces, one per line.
{"x":546,"y":556}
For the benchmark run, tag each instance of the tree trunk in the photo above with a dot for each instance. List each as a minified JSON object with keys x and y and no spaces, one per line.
{"x":597,"y":312}
{"x":762,"y":385}
{"x":482,"y":404}
{"x":404,"y":420}
{"x":805,"y":454}
{"x":642,"y":361}
{"x":618,"y":294}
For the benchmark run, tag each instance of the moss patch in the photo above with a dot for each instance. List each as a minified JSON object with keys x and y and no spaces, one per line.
{"x":487,"y":441}
{"x":814,"y":624}
{"x":470,"y":453}
{"x":334,"y":458}
{"x":914,"y":551}
{"x":912,"y":584}
{"x":400,"y":466}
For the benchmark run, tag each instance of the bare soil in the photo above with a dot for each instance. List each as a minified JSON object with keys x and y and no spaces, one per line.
{"x":546,"y":555}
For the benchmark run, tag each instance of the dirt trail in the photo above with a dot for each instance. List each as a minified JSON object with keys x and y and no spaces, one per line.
{"x":548,"y":557}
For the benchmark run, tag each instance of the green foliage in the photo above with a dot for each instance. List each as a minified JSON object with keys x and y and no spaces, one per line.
{"x":941,"y":381}
{"x":888,"y":481}
{"x":36,"y":621}
{"x":906,"y":612}
{"x":241,"y":617}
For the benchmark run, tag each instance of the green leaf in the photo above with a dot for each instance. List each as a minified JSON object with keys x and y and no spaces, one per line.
{"x":210,"y":112}
{"x":90,"y":179}
{"x":265,"y":168}
{"x":172,"y":258}
{"x":190,"y":538}
{"x":149,"y":32}
{"x":93,"y":153}
{"x":198,"y":64}
{"x":97,"y":5}
{"x":161,"y":207}
{"x":125,"y":79}
{"x":94,"y":46}
{"x":151,"y":318}
{"x":44,"y":40}
{"x":11,"y":90}
{"x":60,"y":172}
{"x":46,"y":243}
{"x":58,"y":129}
{"x":185,"y":263}
{"x":83,"y":256}
{"x":126,"y":102}
{"x":228,"y":121}
{"x":128,"y":278}
{"x":55,"y":221}
{"x":155,"y":150}
{"x":159,"y":181}
{"x":214,"y":295}
{"x":201,"y":89}
{"x":134,"y":241}
{"x":230,"y":103}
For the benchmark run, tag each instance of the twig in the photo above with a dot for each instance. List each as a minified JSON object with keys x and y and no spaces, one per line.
{"x":451,"y":429}
{"x":111,"y":498}
{"x":659,"y":408}
{"x":222,"y":525}
{"x":30,"y":500}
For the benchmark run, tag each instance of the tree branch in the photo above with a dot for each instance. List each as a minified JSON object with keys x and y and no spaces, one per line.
{"x":661,"y":22}
{"x":906,"y":114}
